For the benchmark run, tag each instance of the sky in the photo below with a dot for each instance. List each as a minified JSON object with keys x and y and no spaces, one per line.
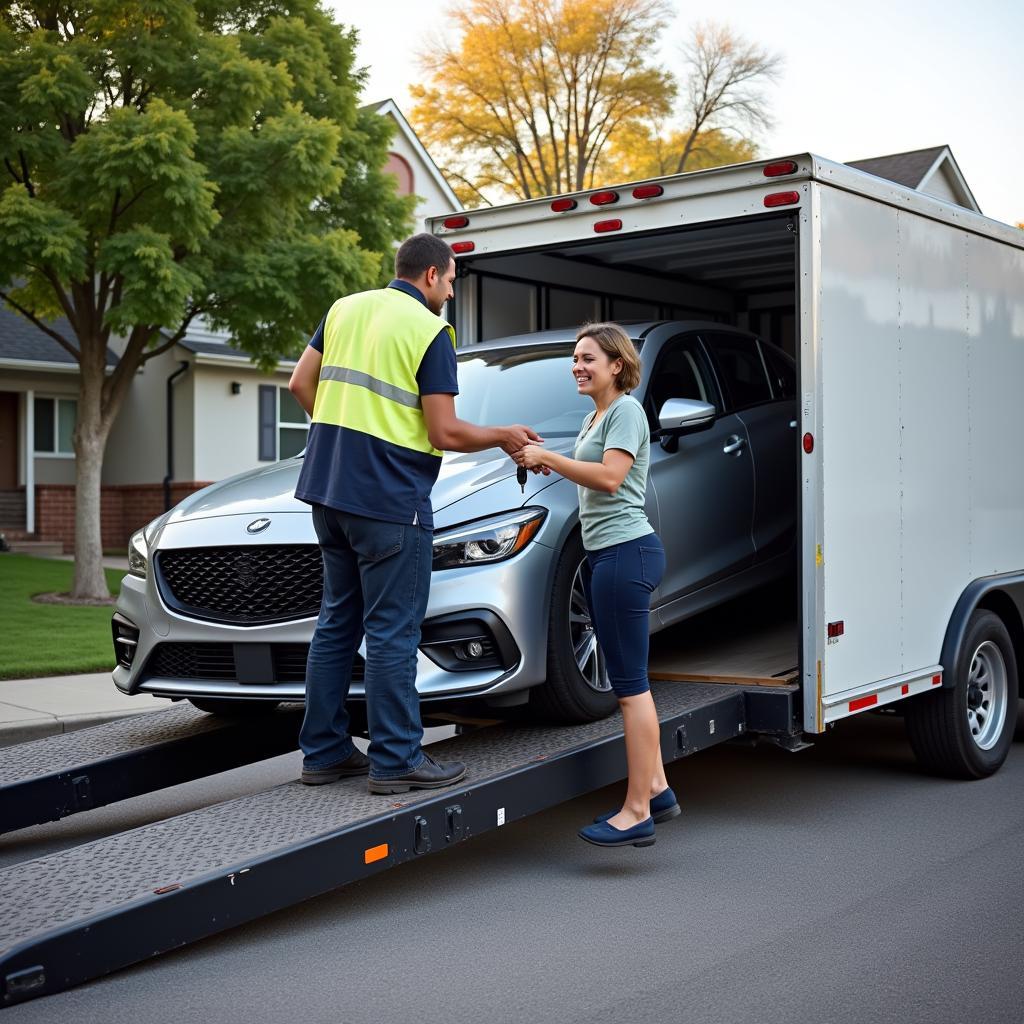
{"x":862,"y":78}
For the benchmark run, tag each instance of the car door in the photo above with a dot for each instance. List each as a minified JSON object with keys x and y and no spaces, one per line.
{"x":703,"y":482}
{"x":761,"y":385}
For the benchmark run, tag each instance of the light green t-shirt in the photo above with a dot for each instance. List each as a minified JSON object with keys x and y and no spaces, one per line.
{"x":609,"y":519}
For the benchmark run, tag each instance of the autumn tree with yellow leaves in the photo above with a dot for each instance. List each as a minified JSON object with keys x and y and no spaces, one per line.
{"x":537,"y":97}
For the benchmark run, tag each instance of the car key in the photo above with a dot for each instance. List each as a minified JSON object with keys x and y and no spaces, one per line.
{"x":521,"y":478}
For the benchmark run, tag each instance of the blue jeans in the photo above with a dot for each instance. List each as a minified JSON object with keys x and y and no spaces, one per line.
{"x":618,"y":582}
{"x":376,"y":581}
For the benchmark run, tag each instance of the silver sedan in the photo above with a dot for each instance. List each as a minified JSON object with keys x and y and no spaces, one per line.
{"x":223,"y":591}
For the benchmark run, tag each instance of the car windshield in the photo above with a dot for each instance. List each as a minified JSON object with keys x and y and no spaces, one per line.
{"x":522,"y":385}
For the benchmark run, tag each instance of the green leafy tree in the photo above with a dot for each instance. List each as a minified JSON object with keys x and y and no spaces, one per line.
{"x":168,"y":160}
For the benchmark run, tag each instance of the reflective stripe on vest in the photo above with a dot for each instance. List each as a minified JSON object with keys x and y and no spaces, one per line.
{"x":373,"y":345}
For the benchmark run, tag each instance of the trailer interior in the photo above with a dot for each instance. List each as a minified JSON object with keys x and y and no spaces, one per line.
{"x":743,"y":273}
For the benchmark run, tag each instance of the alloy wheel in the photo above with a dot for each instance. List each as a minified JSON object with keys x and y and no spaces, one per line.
{"x":586,"y":650}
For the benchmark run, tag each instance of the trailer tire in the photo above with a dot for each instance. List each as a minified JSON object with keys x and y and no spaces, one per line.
{"x":965,"y":731}
{"x":566,"y":695}
{"x":228,"y":708}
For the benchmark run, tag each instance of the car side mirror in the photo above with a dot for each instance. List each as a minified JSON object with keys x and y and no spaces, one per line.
{"x":684,"y":415}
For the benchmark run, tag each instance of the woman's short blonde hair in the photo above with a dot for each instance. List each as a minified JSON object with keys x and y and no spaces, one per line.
{"x":615,"y":343}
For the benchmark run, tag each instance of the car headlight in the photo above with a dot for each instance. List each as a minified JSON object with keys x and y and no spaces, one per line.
{"x":487,"y":540}
{"x":138,"y":554}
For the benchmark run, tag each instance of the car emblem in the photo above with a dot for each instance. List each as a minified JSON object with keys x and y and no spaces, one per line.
{"x":257,"y":526}
{"x":245,"y":570}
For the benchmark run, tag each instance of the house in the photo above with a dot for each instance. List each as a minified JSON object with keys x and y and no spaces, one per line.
{"x":221,"y":414}
{"x":932,"y":171}
{"x":411,"y":164}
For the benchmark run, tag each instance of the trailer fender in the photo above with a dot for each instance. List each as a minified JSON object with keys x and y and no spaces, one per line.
{"x":1002,"y":594}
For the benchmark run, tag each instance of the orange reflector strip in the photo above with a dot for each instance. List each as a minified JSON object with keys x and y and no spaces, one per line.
{"x":375,"y":853}
{"x":863,"y":702}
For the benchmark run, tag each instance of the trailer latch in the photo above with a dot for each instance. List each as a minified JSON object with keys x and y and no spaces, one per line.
{"x":82,"y":790}
{"x":421,"y":838}
{"x":453,"y":823}
{"x":20,"y":983}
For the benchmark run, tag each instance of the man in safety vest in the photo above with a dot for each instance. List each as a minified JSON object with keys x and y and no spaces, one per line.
{"x":379,"y":380}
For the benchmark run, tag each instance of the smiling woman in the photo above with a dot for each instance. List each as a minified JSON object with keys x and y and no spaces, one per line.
{"x":529,"y":383}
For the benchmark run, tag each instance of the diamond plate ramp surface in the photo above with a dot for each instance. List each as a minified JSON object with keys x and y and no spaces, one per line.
{"x":67,"y":889}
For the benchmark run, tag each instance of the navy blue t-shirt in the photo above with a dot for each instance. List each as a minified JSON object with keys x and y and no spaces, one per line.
{"x":356,"y":472}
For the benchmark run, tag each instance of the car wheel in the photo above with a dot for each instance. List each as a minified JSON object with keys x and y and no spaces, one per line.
{"x":965,"y":732}
{"x":577,"y":688}
{"x":233,"y":708}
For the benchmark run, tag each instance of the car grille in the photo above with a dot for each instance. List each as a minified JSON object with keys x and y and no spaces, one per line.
{"x":246,"y":586}
{"x":216,"y":661}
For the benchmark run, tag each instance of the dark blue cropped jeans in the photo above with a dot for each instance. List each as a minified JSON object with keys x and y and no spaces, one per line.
{"x":618,"y":582}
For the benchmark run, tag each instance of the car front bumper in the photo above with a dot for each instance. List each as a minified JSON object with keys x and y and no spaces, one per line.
{"x":509,"y":598}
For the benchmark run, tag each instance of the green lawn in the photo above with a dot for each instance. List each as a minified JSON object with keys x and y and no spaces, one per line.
{"x":47,"y":639}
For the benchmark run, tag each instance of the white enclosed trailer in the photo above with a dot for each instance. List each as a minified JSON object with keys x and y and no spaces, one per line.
{"x":905,"y":314}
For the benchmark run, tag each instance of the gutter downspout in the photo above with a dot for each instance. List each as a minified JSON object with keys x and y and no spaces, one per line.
{"x":30,"y":462}
{"x":182,"y":368}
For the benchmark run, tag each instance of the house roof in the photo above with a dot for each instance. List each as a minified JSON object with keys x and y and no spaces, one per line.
{"x":389,"y":106}
{"x":211,"y":348}
{"x":22,"y":342}
{"x":917,"y":167}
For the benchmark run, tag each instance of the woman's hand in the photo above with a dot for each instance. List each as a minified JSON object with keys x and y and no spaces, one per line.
{"x":530,"y":456}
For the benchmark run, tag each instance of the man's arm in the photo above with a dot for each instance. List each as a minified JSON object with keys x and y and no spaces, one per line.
{"x":305,"y":378}
{"x":448,"y":433}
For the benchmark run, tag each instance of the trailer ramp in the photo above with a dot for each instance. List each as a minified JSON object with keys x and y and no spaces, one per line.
{"x":84,"y":912}
{"x":49,"y":779}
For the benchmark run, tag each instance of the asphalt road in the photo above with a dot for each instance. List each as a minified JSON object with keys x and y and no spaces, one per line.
{"x":834,"y":885}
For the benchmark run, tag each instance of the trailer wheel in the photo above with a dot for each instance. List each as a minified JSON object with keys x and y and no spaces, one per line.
{"x":233,"y":708}
{"x":965,"y":732}
{"x":577,"y":688}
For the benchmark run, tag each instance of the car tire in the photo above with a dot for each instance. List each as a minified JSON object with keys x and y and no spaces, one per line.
{"x":965,"y":731}
{"x":571,"y":694}
{"x":233,"y":708}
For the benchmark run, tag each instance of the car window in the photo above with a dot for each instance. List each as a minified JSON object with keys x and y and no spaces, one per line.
{"x":680,"y":372}
{"x":781,"y":370}
{"x":742,"y":369}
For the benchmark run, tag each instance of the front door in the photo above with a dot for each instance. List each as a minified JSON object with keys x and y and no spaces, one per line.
{"x":704,"y":481}
{"x":8,"y":440}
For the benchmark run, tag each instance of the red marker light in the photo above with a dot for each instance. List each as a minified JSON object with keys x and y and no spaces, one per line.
{"x":607,"y":225}
{"x":456,"y":222}
{"x":562,"y":205}
{"x":460,"y":247}
{"x":781,"y":199}
{"x":604,"y":198}
{"x":778,"y":169}
{"x":864,"y":702}
{"x":647,"y":191}
{"x":808,"y":443}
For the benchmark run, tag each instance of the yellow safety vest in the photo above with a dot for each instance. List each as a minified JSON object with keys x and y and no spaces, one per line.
{"x":373,"y":345}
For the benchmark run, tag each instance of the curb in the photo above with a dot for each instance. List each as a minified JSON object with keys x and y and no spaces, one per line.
{"x":13,"y":733}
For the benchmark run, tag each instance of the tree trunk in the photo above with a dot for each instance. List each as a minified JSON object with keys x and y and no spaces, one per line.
{"x":91,"y":432}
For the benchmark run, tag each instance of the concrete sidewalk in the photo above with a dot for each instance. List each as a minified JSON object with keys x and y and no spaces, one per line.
{"x":32,"y":708}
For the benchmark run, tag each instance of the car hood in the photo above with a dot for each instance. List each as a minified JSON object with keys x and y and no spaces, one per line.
{"x":272,"y":488}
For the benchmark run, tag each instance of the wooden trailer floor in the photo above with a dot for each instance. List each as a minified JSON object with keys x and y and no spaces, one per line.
{"x":752,"y":641}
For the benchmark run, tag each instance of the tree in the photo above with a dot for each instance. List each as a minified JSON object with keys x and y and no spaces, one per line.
{"x":652,"y":151}
{"x":726,"y":76}
{"x":168,"y":160}
{"x":526,"y":103}
{"x":547,"y":96}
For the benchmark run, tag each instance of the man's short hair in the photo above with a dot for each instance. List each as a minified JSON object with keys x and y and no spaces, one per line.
{"x":415,"y":255}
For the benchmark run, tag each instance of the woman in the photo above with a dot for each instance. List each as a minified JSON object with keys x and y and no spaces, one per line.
{"x":625,"y":562}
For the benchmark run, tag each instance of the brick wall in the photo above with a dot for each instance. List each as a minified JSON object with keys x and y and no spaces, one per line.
{"x":124,"y":508}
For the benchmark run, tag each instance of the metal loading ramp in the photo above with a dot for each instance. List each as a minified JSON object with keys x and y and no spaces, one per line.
{"x":84,"y":912}
{"x":49,"y":779}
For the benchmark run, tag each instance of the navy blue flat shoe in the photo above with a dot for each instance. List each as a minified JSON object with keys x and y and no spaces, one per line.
{"x":603,"y":834}
{"x":664,"y":807}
